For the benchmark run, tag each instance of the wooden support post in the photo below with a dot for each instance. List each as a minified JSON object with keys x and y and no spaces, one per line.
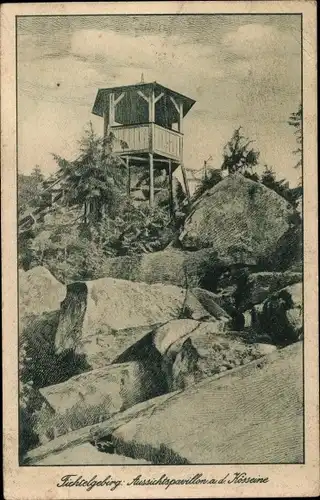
{"x":170,"y":189}
{"x":85,"y":212}
{"x":103,"y":210}
{"x":106,"y":117}
{"x":179,"y":108}
{"x":151,"y":107}
{"x":181,"y":118}
{"x":105,"y":123}
{"x":185,"y":180}
{"x":129,"y":176}
{"x":151,"y":180}
{"x":111,"y":109}
{"x":106,"y":134}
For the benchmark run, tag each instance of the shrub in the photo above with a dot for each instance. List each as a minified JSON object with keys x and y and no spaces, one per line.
{"x":212,"y":178}
{"x":40,"y":366}
{"x":29,"y":402}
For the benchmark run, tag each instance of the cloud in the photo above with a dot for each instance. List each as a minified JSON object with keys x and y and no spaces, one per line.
{"x":141,"y":50}
{"x":64,"y":80}
{"x":50,"y":127}
{"x":265,"y":61}
{"x":33,"y":46}
{"x":253,"y":39}
{"x":159,"y":57}
{"x":264,"y":54}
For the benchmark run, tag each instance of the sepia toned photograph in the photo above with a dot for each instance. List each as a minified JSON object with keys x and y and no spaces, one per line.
{"x":160,"y":247}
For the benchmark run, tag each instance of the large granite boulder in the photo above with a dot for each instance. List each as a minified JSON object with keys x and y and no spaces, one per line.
{"x":151,"y":350}
{"x":165,"y":267}
{"x":192,"y":351}
{"x":280,"y":316}
{"x":249,"y":288}
{"x":170,"y":266}
{"x":90,"y":398}
{"x":102,"y":318}
{"x":263,"y":284}
{"x":239,"y":218}
{"x":167,"y":335}
{"x":256,"y":288}
{"x":288,"y":253}
{"x":252,"y":414}
{"x":182,"y":352}
{"x":39,"y":292}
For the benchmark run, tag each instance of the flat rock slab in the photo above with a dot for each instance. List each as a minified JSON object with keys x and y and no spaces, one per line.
{"x":93,"y":313}
{"x":209,"y":301}
{"x":253,"y":414}
{"x":87,"y":454}
{"x":91,"y":397}
{"x":193,"y":350}
{"x":169,"y":266}
{"x":92,"y":433}
{"x":203,"y":354}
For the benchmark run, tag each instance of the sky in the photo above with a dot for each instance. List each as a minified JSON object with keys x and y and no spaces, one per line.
{"x":241,"y":70}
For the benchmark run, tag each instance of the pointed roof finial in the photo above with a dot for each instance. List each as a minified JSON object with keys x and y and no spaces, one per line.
{"x":142,"y":78}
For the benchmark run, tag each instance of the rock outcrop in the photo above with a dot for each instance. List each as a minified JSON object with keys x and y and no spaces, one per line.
{"x":151,"y":351}
{"x":234,"y":417}
{"x":192,"y":351}
{"x":39,"y":292}
{"x":237,"y":417}
{"x":265,"y":283}
{"x":258,"y":287}
{"x":102,"y":318}
{"x":280,"y":316}
{"x":184,"y":351}
{"x":238,"y":218}
{"x":210,"y":302}
{"x":90,"y":398}
{"x":92,"y":433}
{"x":170,"y":266}
{"x":87,"y":454}
{"x":288,"y":253}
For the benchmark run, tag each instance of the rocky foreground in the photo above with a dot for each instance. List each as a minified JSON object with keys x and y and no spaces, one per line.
{"x":208,"y":394}
{"x":253,"y":414}
{"x":175,"y":357}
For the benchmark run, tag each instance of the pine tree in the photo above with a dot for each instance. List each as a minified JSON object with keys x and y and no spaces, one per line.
{"x":237,"y":156}
{"x":295,"y":121}
{"x":95,"y":180}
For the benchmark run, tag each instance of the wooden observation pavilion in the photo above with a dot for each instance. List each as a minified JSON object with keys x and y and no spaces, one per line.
{"x":146,"y":121}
